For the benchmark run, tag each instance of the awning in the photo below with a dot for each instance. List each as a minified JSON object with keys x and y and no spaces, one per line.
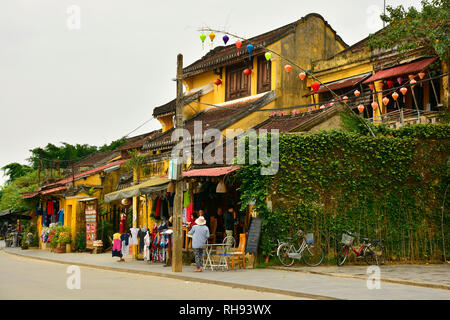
{"x":340,"y":84}
{"x":8,"y":214}
{"x":30,"y":195}
{"x":210,"y":172}
{"x":87,"y":199}
{"x":53,"y":190}
{"x":409,"y":68}
{"x":147,"y":187}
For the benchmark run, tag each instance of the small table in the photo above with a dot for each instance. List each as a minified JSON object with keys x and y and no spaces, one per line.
{"x":216,"y":249}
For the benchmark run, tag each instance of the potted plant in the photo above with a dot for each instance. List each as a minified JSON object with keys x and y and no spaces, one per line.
{"x":65,"y":239}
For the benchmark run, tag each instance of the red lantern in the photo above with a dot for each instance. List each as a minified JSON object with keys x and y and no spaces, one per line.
{"x":238,"y":44}
{"x":248,"y":72}
{"x":217,"y":82}
{"x":302,"y":75}
{"x":395,"y":96}
{"x":386,"y":101}
{"x":374,"y":105}
{"x":361,"y":108}
{"x":288,"y":68}
{"x":421,"y":75}
{"x":315,"y":86}
{"x":390,"y":83}
{"x":403,"y":90}
{"x":357,"y":93}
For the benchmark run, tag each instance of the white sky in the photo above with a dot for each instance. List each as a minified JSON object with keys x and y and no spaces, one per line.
{"x":97,"y":83}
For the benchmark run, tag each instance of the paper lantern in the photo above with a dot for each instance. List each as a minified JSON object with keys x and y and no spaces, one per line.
{"x":221,"y":188}
{"x":386,"y":101}
{"x":225,"y":39}
{"x":250,"y":48}
{"x":212,"y":35}
{"x":171,"y":187}
{"x":361,"y":108}
{"x":371,"y":86}
{"x":390,"y":83}
{"x":268,"y":56}
{"x":315,"y":86}
{"x":203,"y":37}
{"x":411,"y":76}
{"x":413,"y":83}
{"x":374,"y":105}
{"x":357,"y":93}
{"x":238,"y":44}
{"x":126,"y":202}
{"x":302,"y":75}
{"x":248,"y":72}
{"x":403,"y":90}
{"x":400,"y":80}
{"x":288,"y":68}
{"x":421,"y":75}
{"x":395,"y":96}
{"x":345,"y":98}
{"x":217,"y":82}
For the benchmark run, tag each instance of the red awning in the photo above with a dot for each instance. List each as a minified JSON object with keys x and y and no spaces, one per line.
{"x":409,"y":68}
{"x":30,"y":195}
{"x":341,"y":84}
{"x":53,"y":190}
{"x":210,"y":172}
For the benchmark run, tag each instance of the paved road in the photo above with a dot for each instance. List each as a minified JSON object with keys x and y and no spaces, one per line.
{"x":23,"y":278}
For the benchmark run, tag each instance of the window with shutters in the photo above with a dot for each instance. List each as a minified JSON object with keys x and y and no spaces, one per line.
{"x":264,"y":74}
{"x":237,"y":84}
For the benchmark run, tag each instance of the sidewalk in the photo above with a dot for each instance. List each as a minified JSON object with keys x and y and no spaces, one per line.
{"x":299,"y":284}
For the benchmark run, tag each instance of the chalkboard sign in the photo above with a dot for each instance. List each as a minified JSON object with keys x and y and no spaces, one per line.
{"x":254,"y":233}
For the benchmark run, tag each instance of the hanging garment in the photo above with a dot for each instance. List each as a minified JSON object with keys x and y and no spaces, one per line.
{"x":184,"y":216}
{"x":116,"y":250}
{"x":61,"y":217}
{"x":56,"y":206}
{"x":186,"y":199}
{"x":125,"y":245}
{"x":39,"y":211}
{"x":141,"y":234}
{"x":165,"y":209}
{"x":158,"y":208}
{"x":123,"y":222}
{"x":147,"y":246}
{"x":154,"y":202}
{"x":170,"y":197}
{"x":50,"y":210}
{"x":189,"y":213}
{"x":134,"y":234}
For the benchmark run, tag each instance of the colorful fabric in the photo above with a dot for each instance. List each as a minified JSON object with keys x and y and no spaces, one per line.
{"x":186,"y":199}
{"x":158,"y":208}
{"x":189,"y":214}
{"x":50,"y":210}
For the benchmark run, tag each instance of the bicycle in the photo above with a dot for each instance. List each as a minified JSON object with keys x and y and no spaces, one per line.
{"x":371,"y":250}
{"x":312,"y":254}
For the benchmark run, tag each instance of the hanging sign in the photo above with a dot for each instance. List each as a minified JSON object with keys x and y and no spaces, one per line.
{"x":90,"y":213}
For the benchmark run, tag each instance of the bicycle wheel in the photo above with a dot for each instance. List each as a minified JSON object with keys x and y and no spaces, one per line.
{"x":342,"y":255}
{"x":283,"y":254}
{"x":313,"y":255}
{"x":374,"y":254}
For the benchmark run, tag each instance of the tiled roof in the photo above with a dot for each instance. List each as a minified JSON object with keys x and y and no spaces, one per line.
{"x":138,"y":141}
{"x":223,"y":55}
{"x":219,"y":117}
{"x":95,"y":159}
{"x":284,"y":123}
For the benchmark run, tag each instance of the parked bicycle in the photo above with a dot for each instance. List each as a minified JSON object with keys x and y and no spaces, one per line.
{"x":311,"y":253}
{"x":371,"y":250}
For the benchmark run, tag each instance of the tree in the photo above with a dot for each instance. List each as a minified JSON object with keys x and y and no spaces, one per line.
{"x":15,"y":170}
{"x":411,"y":29}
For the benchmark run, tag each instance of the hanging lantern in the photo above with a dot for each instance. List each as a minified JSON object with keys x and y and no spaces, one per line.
{"x":171,"y":187}
{"x":315,"y":86}
{"x":212,"y":35}
{"x":403,"y":90}
{"x":288,"y":68}
{"x":203,"y":38}
{"x":302,"y":75}
{"x":250,"y":48}
{"x":268,"y":56}
{"x":238,"y":44}
{"x":217,"y":82}
{"x":400,"y":80}
{"x":221,"y":188}
{"x":371,"y":86}
{"x":374,"y":105}
{"x":386,"y":101}
{"x":413,"y":83}
{"x":225,"y":39}
{"x":395,"y":96}
{"x":381,"y":85}
{"x":421,"y":75}
{"x":345,"y":98}
{"x":126,"y":202}
{"x":248,"y":73}
{"x":361,"y":108}
{"x":411,"y":76}
{"x":390,"y":83}
{"x":357,"y":93}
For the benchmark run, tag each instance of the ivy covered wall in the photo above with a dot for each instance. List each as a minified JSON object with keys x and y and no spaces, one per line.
{"x":390,"y":187}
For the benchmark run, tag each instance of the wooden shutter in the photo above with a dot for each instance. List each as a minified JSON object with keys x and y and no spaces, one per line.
{"x":237,"y":84}
{"x":264,"y":74}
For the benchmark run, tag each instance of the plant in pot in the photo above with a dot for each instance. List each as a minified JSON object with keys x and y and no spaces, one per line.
{"x":65,"y":239}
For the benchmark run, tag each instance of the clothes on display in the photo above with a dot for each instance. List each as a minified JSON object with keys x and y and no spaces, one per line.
{"x":125,"y":245}
{"x":61,"y":217}
{"x":134,"y":235}
{"x":147,"y":246}
{"x":141,"y":235}
{"x":116,"y":250}
{"x":50,"y":209}
{"x":123,"y":222}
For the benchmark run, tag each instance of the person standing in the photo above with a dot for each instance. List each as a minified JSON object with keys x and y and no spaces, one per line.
{"x":199,"y":233}
{"x":228,"y":221}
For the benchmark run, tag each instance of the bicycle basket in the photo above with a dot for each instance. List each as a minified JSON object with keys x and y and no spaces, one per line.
{"x":309,"y":238}
{"x":347,"y":239}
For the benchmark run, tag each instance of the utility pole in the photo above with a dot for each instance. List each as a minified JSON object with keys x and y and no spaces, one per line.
{"x":177,"y":248}
{"x":384,"y":12}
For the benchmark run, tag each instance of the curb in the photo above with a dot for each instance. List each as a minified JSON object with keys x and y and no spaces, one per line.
{"x":184,"y":278}
{"x":343,"y":275}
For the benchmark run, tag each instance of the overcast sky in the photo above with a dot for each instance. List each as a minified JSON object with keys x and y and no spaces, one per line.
{"x":98,"y":82}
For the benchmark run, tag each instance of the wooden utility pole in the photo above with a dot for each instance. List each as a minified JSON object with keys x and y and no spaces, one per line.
{"x":177,"y":247}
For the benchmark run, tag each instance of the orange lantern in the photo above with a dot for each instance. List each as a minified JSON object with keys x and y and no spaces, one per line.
{"x":386,"y":101}
{"x":288,"y":68}
{"x":357,"y":93}
{"x":403,"y":90}
{"x":302,"y":75}
{"x":345,"y":98}
{"x":361,"y":108}
{"x":374,"y":105}
{"x":413,"y":83}
{"x":238,"y":44}
{"x":395,"y":96}
{"x":421,"y":75}
{"x":315,"y":86}
{"x":411,"y":76}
